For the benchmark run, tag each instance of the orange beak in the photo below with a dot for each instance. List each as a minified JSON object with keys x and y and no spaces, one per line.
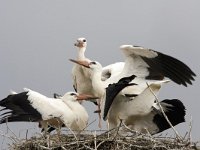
{"x":82,"y":63}
{"x":85,"y":97}
{"x":78,"y":44}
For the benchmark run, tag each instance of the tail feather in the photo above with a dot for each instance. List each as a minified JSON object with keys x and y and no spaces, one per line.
{"x":174,"y":110}
{"x":20,"y":118}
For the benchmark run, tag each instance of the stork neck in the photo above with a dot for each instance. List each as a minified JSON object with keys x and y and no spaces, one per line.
{"x":97,"y":83}
{"x":71,"y":105}
{"x":81,"y":53}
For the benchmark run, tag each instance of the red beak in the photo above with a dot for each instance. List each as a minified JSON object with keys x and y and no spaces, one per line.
{"x":85,"y":97}
{"x":82,"y":63}
{"x":78,"y":44}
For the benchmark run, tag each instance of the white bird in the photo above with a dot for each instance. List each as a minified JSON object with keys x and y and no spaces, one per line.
{"x":141,"y":112}
{"x":79,"y":73}
{"x":123,"y":106}
{"x":31,"y":106}
{"x":82,"y":75}
{"x":148,"y":65}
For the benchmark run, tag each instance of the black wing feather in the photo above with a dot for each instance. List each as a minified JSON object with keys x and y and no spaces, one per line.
{"x":169,"y":67}
{"x":174,"y":110}
{"x":113,"y":89}
{"x":18,"y":108}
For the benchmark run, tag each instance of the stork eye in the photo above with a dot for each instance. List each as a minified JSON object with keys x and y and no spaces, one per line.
{"x":72,"y":94}
{"x":84,"y":40}
{"x":94,"y":63}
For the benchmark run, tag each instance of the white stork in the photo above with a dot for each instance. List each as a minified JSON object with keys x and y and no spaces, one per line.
{"x":81,"y":76}
{"x":31,"y":106}
{"x":79,"y":73}
{"x":148,"y":65}
{"x":142,"y":112}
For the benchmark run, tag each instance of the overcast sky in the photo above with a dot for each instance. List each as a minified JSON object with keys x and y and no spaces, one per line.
{"x":37,"y":37}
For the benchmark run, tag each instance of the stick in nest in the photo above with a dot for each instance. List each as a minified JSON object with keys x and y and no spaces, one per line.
{"x":118,"y":129}
{"x":95,"y":140}
{"x":15,"y":136}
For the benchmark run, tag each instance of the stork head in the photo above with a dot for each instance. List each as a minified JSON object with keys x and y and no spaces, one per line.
{"x":81,"y":43}
{"x":94,"y":65}
{"x":75,"y":97}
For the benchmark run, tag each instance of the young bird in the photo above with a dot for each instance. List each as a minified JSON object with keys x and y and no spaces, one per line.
{"x":31,"y":106}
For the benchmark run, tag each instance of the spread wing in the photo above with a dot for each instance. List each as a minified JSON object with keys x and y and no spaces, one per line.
{"x":17,"y":107}
{"x":153,"y":65}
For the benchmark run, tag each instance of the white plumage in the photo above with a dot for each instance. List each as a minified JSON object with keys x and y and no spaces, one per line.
{"x":82,"y":75}
{"x":33,"y":106}
{"x":149,"y":67}
{"x":127,"y":108}
{"x":122,"y":106}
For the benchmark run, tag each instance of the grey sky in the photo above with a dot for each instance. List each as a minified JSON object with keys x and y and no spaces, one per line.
{"x":36,"y":41}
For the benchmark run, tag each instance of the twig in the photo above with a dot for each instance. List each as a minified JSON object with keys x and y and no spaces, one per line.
{"x":117,"y":129}
{"x":160,"y":147}
{"x":135,"y":132}
{"x":26,"y":134}
{"x":11,"y":131}
{"x":95,"y":140}
{"x":165,"y":116}
{"x":185,"y":135}
{"x":44,"y":147}
{"x":132,"y":131}
{"x":9,"y":137}
{"x":48,"y":140}
{"x":149,"y":134}
{"x":106,"y":132}
{"x":190,"y":131}
{"x":63,"y":147}
{"x":88,"y":147}
{"x":89,"y":124}
{"x":100,"y":143}
{"x":73,"y":133}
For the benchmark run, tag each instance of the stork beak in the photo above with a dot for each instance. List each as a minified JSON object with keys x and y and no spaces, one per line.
{"x":78,"y":44}
{"x":82,"y":63}
{"x":85,"y":97}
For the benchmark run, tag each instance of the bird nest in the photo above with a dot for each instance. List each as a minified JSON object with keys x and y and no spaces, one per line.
{"x":94,"y":140}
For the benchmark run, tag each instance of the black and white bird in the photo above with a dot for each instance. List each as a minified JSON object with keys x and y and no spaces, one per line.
{"x":123,"y":104}
{"x":31,"y":106}
{"x":153,"y":65}
{"x":148,"y":66}
{"x":141,"y":113}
